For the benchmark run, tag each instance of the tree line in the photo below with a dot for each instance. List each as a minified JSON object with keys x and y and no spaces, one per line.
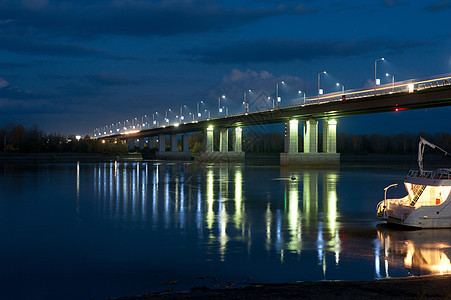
{"x":15,"y":138}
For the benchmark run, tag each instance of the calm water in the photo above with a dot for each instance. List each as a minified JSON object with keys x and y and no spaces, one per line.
{"x":99,"y":230}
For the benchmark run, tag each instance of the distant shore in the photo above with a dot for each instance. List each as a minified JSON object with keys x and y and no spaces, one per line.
{"x":65,"y":156}
{"x":418,"y":287}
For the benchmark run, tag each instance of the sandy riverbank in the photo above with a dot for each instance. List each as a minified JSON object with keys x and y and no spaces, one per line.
{"x":419,"y":287}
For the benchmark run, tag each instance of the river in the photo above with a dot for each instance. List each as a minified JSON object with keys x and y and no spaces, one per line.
{"x":84,"y":230}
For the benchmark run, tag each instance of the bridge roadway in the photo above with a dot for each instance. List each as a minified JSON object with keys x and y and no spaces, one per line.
{"x":425,"y":98}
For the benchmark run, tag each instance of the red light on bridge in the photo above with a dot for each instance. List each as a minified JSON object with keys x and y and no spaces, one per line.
{"x":396,"y":109}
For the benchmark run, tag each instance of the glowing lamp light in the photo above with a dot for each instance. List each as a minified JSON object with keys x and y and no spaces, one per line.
{"x":279,"y":99}
{"x":396,"y":109}
{"x":411,"y":88}
{"x":199,"y":115}
{"x":321,"y":91}
{"x":378,"y":81}
{"x":78,"y":137}
{"x":176,"y":125}
{"x":220,"y":110}
{"x":210,"y":127}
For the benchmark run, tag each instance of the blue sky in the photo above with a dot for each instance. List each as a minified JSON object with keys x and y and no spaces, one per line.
{"x":70,"y":66}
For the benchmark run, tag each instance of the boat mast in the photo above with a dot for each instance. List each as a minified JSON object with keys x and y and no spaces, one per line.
{"x":421,"y":146}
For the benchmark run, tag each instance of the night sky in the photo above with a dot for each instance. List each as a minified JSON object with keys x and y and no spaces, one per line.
{"x":70,"y":66}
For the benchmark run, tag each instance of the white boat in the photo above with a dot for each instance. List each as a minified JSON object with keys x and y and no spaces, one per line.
{"x":428,"y":200}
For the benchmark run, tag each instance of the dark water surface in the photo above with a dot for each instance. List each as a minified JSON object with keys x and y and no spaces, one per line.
{"x":99,"y":230}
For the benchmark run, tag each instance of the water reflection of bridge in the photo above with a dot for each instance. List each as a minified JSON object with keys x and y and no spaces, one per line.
{"x":228,"y":211}
{"x":223,"y":208}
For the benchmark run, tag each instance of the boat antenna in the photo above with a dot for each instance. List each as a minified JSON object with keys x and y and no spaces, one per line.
{"x":421,"y":146}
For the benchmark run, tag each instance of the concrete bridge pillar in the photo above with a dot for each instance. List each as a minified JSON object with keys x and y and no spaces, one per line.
{"x":185,"y":143}
{"x":223,"y":140}
{"x":330,"y":136}
{"x":173,"y":143}
{"x":238,"y":142}
{"x":141,"y":143}
{"x":310,"y":156}
{"x":208,"y":141}
{"x":223,"y":155}
{"x":131,"y":144}
{"x":161,"y":143}
{"x":311,"y":137}
{"x":291,"y":136}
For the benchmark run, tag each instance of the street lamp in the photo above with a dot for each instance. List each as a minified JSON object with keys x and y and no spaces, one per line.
{"x":198,"y":113}
{"x":277,"y":94}
{"x":301,"y":92}
{"x":320,"y":91}
{"x":219,"y":104}
{"x":166,"y":115}
{"x":181,"y":114}
{"x":209,"y":113}
{"x":153,"y":118}
{"x":342,"y":87}
{"x":246,"y":105}
{"x":392,"y":80}
{"x":375,"y":72}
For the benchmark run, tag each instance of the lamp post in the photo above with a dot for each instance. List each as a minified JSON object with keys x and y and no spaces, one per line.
{"x":219,"y":104}
{"x":198,"y":113}
{"x":181,"y":114}
{"x":319,"y":83}
{"x":153,"y":118}
{"x":277,"y":94}
{"x":342,"y":87}
{"x":244,"y":101}
{"x":299,"y":92}
{"x":375,"y":72}
{"x":166,"y":116}
{"x":209,"y":113}
{"x":392,"y":80}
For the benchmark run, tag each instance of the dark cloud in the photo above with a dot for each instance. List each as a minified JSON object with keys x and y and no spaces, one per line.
{"x":30,"y":45}
{"x":393,"y":3}
{"x":106,"y":79}
{"x":439,"y":6}
{"x":282,"y":50}
{"x":135,"y":18}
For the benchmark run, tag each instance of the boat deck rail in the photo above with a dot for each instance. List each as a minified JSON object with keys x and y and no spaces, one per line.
{"x":443,"y":174}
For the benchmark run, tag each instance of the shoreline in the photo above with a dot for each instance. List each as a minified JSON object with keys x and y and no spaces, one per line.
{"x":415,"y":287}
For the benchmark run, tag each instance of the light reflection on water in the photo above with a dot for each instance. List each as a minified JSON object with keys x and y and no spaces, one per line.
{"x":131,"y":226}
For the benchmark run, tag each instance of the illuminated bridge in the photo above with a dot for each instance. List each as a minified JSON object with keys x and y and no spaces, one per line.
{"x":411,"y":94}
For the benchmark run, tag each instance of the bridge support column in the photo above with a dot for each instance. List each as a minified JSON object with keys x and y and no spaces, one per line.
{"x":291,"y":139}
{"x":131,"y":144}
{"x":185,"y":143}
{"x":238,"y":142}
{"x":223,"y":155}
{"x":161,"y":143}
{"x":173,"y":143}
{"x":330,"y":136}
{"x":208,"y":141}
{"x":310,"y":156}
{"x":223,"y":140}
{"x":141,"y":143}
{"x":311,"y":136}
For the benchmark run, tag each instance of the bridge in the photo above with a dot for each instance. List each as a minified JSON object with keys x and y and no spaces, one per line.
{"x":405,"y":95}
